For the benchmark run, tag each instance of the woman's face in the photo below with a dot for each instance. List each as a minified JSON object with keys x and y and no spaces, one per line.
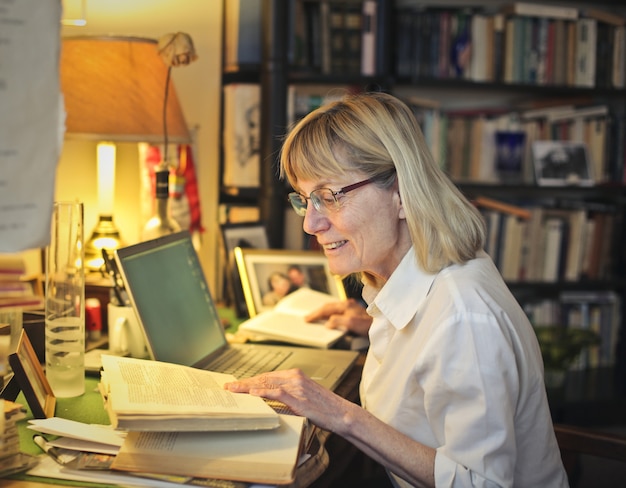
{"x":367,"y":233}
{"x":280,"y":285}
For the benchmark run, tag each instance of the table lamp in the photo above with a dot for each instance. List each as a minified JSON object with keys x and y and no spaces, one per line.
{"x":114,"y":92}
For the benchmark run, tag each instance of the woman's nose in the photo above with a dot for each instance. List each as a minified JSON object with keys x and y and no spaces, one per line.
{"x":314,"y":221}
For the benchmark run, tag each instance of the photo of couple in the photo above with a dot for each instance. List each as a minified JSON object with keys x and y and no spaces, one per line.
{"x":281,"y":282}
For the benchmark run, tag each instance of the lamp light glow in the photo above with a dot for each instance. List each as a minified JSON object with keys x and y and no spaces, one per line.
{"x":74,"y":13}
{"x":113,"y":91}
{"x":106,"y":177}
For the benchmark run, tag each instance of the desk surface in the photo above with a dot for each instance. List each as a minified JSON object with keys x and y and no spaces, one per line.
{"x":88,"y":408}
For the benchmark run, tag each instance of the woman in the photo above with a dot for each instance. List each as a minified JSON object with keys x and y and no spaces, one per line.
{"x":279,"y":286}
{"x":452,"y":389}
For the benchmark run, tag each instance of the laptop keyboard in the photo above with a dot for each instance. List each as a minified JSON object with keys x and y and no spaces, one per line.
{"x":243,"y":363}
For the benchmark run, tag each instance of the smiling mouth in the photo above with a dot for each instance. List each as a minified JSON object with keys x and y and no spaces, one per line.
{"x":334,"y":245}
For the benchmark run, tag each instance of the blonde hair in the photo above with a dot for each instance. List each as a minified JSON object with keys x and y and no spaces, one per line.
{"x":376,"y":134}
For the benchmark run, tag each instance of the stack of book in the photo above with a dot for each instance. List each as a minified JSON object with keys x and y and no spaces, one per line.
{"x":15,"y":288}
{"x":11,"y":459}
{"x":182,"y":422}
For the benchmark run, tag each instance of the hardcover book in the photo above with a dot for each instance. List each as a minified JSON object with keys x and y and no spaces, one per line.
{"x":268,"y":456}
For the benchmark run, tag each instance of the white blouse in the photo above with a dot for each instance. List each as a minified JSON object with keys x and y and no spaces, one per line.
{"x":454,"y":364}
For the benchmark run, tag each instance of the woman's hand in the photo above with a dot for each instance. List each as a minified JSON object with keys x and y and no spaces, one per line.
{"x":300,"y":393}
{"x":347,"y":314}
{"x":407,"y":458}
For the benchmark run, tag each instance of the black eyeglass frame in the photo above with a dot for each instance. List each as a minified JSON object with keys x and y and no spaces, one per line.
{"x":299,"y":201}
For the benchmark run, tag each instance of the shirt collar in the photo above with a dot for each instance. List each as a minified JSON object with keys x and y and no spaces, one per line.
{"x":399,"y":299}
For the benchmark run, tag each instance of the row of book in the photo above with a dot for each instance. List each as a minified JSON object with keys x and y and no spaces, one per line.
{"x":336,"y":36}
{"x":550,"y":243}
{"x":475,"y":145}
{"x":520,"y":43}
{"x":16,"y":288}
{"x":11,"y":458}
{"x":598,"y":311}
{"x":324,"y":36}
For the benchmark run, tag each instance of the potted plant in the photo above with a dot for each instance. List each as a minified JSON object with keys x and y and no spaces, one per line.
{"x":560,"y":347}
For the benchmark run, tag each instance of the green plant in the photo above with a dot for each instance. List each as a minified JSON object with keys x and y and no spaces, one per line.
{"x":560,"y":345}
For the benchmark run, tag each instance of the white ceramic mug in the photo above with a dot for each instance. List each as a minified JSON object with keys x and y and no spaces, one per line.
{"x":125,"y":334}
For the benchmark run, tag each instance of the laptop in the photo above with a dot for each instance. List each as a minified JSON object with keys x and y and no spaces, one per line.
{"x":168,"y":290}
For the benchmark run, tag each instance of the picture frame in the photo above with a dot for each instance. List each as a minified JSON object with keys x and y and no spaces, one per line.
{"x":561,"y":163}
{"x":29,"y":374}
{"x":244,"y":235}
{"x":256,"y":267}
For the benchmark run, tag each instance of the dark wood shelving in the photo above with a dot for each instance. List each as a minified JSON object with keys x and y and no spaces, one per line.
{"x":534,"y":89}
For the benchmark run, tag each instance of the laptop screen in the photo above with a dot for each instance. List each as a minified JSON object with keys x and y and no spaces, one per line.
{"x":167,"y":286}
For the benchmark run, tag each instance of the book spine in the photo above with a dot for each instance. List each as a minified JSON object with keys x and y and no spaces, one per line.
{"x":369,"y":33}
{"x":541,"y":10}
{"x":618,"y":75}
{"x":242,"y":33}
{"x":586,"y":35}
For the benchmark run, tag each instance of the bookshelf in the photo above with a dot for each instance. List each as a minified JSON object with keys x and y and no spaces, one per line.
{"x":486,"y":94}
{"x":294,"y":54}
{"x":545,"y":100}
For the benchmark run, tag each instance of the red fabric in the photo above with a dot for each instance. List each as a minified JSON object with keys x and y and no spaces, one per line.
{"x":191,"y":188}
{"x":186,"y":170}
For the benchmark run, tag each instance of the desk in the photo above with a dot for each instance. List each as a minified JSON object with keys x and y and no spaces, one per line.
{"x":319,"y":471}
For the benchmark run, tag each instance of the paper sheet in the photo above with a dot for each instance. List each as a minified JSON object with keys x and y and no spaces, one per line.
{"x":102,"y":434}
{"x":47,"y":468}
{"x":31,"y":120}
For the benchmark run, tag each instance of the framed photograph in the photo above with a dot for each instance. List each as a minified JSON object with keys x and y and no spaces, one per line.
{"x":268,"y":275}
{"x":561,"y":163}
{"x":31,"y":379}
{"x":248,"y":235}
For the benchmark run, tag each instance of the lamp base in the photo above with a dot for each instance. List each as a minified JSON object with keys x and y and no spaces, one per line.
{"x":104,"y":236}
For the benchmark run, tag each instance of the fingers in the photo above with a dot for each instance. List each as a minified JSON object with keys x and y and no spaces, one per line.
{"x":325,"y":311}
{"x":354,"y":319}
{"x":338,"y":321}
{"x":265,"y":381}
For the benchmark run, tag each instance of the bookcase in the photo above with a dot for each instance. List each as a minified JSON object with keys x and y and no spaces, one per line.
{"x":306,"y":51}
{"x":476,"y":73}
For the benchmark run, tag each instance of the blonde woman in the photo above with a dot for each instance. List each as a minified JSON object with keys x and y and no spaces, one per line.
{"x":452,"y":390}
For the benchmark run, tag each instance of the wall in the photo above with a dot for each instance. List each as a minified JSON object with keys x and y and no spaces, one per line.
{"x":198,"y":89}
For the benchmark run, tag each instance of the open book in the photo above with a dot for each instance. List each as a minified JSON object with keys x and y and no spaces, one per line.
{"x":267,"y":456}
{"x":146,"y":395}
{"x":285,"y":322}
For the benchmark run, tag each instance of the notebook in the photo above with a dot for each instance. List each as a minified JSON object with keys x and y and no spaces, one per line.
{"x":167,"y":287}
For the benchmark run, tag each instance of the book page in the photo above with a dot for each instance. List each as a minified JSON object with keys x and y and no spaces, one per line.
{"x":31,"y":121}
{"x":145,"y":387}
{"x":303,"y":301}
{"x":258,"y":456}
{"x":291,"y":328}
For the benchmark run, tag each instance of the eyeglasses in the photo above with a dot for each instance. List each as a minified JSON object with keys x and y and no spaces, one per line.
{"x":324,"y":199}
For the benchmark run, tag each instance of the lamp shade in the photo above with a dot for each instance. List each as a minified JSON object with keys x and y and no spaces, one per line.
{"x":114,"y":90}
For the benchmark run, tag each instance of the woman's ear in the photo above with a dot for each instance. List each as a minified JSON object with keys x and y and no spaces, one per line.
{"x":398,"y":198}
